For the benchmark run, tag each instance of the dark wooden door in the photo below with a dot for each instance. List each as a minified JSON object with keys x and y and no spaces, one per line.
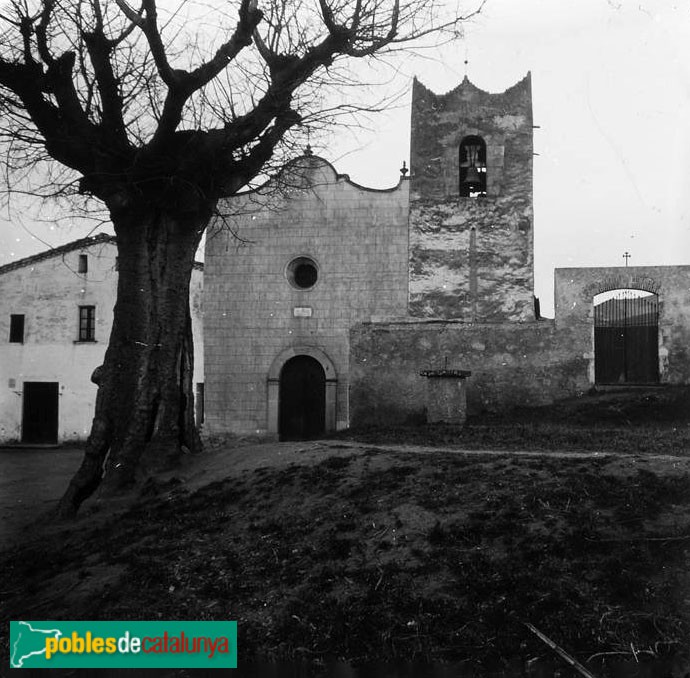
{"x":40,"y":412}
{"x":302,"y":399}
{"x":626,"y":337}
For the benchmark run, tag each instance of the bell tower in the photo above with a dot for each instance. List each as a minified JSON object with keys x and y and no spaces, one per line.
{"x":471,"y":214}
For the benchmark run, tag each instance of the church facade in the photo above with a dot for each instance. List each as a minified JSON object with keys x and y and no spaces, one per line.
{"x":324,"y":300}
{"x":284,"y":287}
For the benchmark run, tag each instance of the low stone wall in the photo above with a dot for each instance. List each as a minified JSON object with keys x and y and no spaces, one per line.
{"x":511,"y":363}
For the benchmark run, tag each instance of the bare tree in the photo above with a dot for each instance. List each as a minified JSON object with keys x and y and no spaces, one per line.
{"x":158,"y":123}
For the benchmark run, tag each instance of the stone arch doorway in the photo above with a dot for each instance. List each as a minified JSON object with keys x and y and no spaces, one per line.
{"x":302,"y":399}
{"x":626,"y":337}
{"x":302,"y":386}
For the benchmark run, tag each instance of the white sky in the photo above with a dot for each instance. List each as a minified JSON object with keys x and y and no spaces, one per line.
{"x":611,"y":94}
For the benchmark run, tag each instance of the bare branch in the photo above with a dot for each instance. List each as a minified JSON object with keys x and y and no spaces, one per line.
{"x":328,"y":19}
{"x":41,"y":35}
{"x":137,"y":18}
{"x":100,"y":49}
{"x":250,"y":17}
{"x":152,"y":32}
{"x":128,"y":95}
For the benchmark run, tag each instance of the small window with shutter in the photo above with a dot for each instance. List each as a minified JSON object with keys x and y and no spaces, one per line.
{"x":87,"y":323}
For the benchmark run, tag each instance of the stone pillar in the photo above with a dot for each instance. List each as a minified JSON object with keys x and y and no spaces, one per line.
{"x":446,"y":396}
{"x":272,"y":406}
{"x":331,"y":405}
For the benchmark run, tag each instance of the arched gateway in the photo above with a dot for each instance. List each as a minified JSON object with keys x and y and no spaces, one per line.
{"x":301,"y":394}
{"x":626,"y":343}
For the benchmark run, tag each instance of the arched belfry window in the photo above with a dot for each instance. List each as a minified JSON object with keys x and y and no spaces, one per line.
{"x":472,"y":167}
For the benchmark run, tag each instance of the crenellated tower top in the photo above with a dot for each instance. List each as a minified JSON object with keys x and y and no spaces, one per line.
{"x":471,"y":143}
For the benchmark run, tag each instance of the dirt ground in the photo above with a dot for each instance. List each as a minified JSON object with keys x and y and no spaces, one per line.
{"x":392,"y":552}
{"x":345,"y":553}
{"x":31,"y":481}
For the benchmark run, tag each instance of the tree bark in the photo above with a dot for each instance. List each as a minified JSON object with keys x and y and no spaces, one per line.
{"x":144,"y":416}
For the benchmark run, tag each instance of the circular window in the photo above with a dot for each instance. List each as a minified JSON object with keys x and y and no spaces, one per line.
{"x":302,"y":273}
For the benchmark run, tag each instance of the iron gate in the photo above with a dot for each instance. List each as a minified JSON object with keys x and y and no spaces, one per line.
{"x":626,"y":340}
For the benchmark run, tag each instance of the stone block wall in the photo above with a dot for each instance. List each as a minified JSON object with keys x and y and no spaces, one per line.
{"x":254,"y":317}
{"x":532,"y":363}
{"x":472,"y":258}
{"x":511,"y":363}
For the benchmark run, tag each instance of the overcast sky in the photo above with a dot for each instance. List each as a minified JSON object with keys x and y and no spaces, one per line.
{"x":611,"y":94}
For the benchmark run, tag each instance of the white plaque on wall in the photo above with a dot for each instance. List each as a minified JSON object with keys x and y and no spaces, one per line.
{"x":302,"y":311}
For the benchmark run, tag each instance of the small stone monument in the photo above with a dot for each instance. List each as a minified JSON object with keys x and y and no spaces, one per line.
{"x":446,"y":396}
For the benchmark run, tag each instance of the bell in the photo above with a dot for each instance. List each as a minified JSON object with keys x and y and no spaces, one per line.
{"x":472,"y":176}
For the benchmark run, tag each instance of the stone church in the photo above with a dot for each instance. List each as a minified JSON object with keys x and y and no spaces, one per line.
{"x":326,"y":299}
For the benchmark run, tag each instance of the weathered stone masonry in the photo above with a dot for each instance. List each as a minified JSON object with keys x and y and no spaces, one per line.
{"x":471,"y":283}
{"x":471,"y":258}
{"x":435,"y":273}
{"x":512,"y":363}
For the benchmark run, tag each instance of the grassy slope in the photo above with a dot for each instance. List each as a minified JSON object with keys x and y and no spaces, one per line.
{"x":402,"y":557}
{"x":653,"y":421}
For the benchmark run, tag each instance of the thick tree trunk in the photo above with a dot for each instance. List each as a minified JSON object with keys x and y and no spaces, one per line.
{"x":144,"y":415}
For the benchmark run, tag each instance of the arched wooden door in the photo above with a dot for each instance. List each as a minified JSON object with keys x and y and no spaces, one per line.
{"x":302,"y":399}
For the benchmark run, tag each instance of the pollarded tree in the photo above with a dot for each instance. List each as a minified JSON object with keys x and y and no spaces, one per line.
{"x":158,"y":123}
